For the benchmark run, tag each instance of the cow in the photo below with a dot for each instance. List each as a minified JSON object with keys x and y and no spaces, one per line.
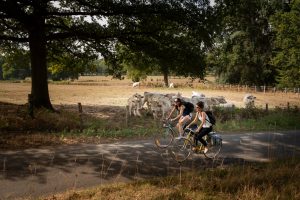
{"x":226,"y":106}
{"x":171,"y":85}
{"x":148,"y":97}
{"x":136,"y":84}
{"x":197,"y":94}
{"x":249,"y":100}
{"x":160,"y":107}
{"x":135,"y":104}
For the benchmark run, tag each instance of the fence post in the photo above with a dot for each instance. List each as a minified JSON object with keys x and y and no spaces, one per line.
{"x":80,"y":115}
{"x":30,"y":105}
{"x":288,"y":105}
{"x":267,"y":107}
{"x":264,"y":89}
{"x":126,"y":119}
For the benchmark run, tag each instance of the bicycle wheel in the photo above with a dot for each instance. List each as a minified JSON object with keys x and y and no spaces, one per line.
{"x":181,"y":149}
{"x":214,"y":144}
{"x":164,"y":137}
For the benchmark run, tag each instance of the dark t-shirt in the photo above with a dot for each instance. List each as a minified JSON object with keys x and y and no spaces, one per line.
{"x":188,"y":108}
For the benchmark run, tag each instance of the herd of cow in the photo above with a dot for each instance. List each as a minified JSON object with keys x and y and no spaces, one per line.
{"x":159,"y":104}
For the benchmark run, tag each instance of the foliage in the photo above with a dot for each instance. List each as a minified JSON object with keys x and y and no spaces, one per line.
{"x":65,"y":66}
{"x":287,"y":46}
{"x":175,"y":48}
{"x":15,"y":64}
{"x":243,"y":49}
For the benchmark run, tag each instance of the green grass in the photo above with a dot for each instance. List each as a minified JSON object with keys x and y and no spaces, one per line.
{"x":259,"y":120}
{"x":69,"y":127}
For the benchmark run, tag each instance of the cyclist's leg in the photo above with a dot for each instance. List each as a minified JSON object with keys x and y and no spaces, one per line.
{"x":201,"y":134}
{"x":182,"y":121}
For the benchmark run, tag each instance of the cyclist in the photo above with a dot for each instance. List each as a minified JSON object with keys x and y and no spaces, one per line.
{"x":185,"y":114}
{"x":205,"y":126}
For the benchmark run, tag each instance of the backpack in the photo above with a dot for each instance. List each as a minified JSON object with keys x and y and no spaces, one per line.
{"x":189,"y":106}
{"x":211,"y":117}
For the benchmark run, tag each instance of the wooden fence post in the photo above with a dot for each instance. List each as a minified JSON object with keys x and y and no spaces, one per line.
{"x":126,"y":119}
{"x":288,"y":105}
{"x":30,"y":105}
{"x":80,"y":116}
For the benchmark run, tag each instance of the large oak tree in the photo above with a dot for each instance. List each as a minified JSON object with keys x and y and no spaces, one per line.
{"x":86,"y":27}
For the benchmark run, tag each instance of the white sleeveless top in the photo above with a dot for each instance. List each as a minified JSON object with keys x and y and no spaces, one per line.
{"x":206,"y":124}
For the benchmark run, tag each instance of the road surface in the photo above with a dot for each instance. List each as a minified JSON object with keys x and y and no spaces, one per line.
{"x":49,"y":170}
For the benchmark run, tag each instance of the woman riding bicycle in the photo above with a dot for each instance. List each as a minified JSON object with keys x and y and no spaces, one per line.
{"x":185,"y":109}
{"x":205,"y":126}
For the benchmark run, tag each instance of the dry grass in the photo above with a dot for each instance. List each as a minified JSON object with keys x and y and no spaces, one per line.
{"x":275,"y":180}
{"x":106,"y":91}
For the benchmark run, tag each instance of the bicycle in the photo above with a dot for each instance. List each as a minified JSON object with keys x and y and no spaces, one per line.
{"x":165,"y":136}
{"x":183,"y":147}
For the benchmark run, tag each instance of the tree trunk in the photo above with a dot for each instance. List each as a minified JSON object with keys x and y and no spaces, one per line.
{"x":166,"y":80}
{"x":1,"y":73}
{"x":38,"y":53}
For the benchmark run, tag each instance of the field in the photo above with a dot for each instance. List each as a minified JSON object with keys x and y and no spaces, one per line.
{"x":97,"y":90}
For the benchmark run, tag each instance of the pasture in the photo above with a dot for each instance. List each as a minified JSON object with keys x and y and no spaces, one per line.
{"x":101,"y":90}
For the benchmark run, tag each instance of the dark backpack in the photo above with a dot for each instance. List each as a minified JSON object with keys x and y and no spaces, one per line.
{"x":211,"y":117}
{"x":189,"y":106}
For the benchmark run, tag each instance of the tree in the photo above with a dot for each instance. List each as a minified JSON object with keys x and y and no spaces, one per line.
{"x":178,"y":50}
{"x":16,"y":64}
{"x":287,"y":45}
{"x":243,"y":49}
{"x":74,"y":25}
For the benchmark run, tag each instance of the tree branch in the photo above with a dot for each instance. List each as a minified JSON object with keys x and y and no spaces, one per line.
{"x":14,"y":39}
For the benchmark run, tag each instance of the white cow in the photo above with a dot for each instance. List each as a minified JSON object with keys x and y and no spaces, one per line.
{"x":227,"y":106}
{"x":150,"y":96}
{"x":135,"y":104}
{"x":136,"y":84}
{"x":160,"y":107}
{"x":171,"y":85}
{"x":197,"y":94}
{"x":249,"y":100}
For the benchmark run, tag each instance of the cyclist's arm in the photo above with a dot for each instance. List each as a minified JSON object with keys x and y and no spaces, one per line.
{"x":202,"y":121}
{"x":194,"y":121}
{"x":171,"y":112}
{"x":180,"y":113}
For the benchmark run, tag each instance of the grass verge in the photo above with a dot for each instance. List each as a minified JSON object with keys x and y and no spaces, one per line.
{"x":261,"y":181}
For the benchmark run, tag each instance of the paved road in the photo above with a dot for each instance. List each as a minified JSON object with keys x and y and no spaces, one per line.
{"x":49,"y":170}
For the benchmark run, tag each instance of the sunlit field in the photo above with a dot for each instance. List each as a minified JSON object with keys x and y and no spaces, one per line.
{"x":101,"y":90}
